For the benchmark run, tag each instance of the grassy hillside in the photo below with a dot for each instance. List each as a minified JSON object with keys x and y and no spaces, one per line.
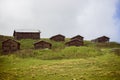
{"x":105,"y":67}
{"x":90,"y":62}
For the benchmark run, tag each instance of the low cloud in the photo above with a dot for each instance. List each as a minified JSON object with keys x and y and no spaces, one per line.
{"x":89,"y":18}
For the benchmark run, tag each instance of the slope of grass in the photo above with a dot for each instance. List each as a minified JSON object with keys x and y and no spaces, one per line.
{"x":68,"y":53}
{"x":105,"y":67}
{"x":108,"y":45}
{"x":90,"y":62}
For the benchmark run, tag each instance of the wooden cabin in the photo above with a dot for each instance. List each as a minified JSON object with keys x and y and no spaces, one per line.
{"x":42,"y":45}
{"x":10,"y":45}
{"x":75,"y":42}
{"x":26,"y":34}
{"x":58,"y":38}
{"x":77,"y":37}
{"x":101,"y":39}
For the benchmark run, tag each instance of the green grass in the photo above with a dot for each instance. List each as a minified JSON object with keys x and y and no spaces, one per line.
{"x":27,"y":43}
{"x":105,"y":67}
{"x":90,"y":62}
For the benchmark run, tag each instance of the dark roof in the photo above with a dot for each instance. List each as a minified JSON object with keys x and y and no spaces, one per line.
{"x":103,"y":37}
{"x":74,"y":41}
{"x":58,"y":35}
{"x":77,"y":36}
{"x":27,"y":30}
{"x":41,"y":42}
{"x":11,"y":40}
{"x":100,"y":38}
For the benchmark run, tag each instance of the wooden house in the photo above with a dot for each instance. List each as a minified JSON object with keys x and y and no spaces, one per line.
{"x":26,"y":34}
{"x":101,"y":39}
{"x":58,"y":38}
{"x":10,"y":45}
{"x":75,"y":42}
{"x":77,"y":37}
{"x":42,"y":45}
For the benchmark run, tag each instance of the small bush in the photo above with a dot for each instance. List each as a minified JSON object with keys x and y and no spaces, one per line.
{"x":25,"y":53}
{"x":116,"y":51}
{"x":47,"y":54}
{"x":108,"y":45}
{"x":80,"y":52}
{"x":57,"y":45}
{"x":27,"y":43}
{"x":67,"y":53}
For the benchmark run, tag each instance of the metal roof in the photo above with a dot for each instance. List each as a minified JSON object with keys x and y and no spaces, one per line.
{"x":27,"y":30}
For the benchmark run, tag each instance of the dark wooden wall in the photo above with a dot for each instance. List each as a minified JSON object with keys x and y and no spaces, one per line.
{"x":21,"y":35}
{"x":58,"y":38}
{"x":75,"y":43}
{"x":42,"y":45}
{"x":10,"y":46}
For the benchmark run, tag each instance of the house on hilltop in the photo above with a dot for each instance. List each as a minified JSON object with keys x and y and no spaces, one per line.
{"x":58,"y":38}
{"x":10,"y":45}
{"x":42,"y":45}
{"x":26,"y":34}
{"x":101,"y":39}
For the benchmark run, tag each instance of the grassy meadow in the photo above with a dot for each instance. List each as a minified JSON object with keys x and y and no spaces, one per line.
{"x":92,"y":61}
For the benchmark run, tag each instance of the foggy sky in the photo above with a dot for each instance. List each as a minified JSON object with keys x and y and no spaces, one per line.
{"x":88,"y":18}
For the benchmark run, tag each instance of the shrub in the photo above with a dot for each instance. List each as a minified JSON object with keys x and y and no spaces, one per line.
{"x":68,"y":53}
{"x":116,"y":51}
{"x":27,"y":43}
{"x":108,"y":45}
{"x":81,"y":52}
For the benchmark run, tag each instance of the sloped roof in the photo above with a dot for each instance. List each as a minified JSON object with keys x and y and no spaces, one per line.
{"x":57,"y":36}
{"x":100,"y":38}
{"x":10,"y":40}
{"x":42,"y":42}
{"x":103,"y":37}
{"x":77,"y":36}
{"x":75,"y":40}
{"x":27,"y":30}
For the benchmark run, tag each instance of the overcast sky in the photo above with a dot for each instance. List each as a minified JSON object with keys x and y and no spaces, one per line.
{"x":88,"y":18}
